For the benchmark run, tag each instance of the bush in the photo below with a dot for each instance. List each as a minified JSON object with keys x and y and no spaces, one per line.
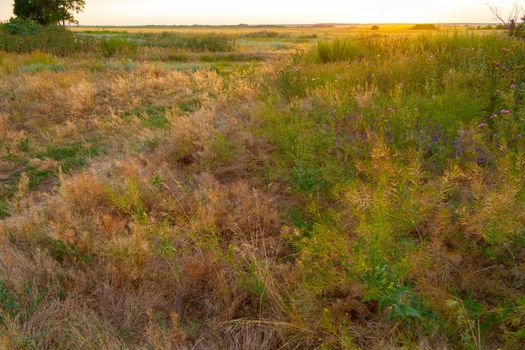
{"x":424,"y":27}
{"x":21,"y":26}
{"x":52,"y":39}
{"x":112,"y":46}
{"x":374,"y":28}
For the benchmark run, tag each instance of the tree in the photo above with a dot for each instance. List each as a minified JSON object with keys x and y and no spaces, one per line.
{"x":48,"y":11}
{"x":512,"y":21}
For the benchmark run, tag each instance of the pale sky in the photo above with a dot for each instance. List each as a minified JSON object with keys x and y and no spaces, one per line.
{"x":141,"y":12}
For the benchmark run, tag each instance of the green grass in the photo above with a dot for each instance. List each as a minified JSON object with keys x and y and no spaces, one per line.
{"x":8,"y":303}
{"x":210,"y":42}
{"x":230,"y":58}
{"x":113,"y":46}
{"x":40,"y":67}
{"x":53,"y":39}
{"x":62,"y":42}
{"x":369,"y":156}
{"x":69,"y":157}
{"x":338,"y":50}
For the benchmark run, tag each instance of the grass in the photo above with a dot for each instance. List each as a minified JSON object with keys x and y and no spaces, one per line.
{"x":338,"y":50}
{"x":54,"y":40}
{"x":112,"y":46}
{"x":23,"y":38}
{"x":360,"y":191}
{"x":375,"y":161}
{"x":424,"y":27}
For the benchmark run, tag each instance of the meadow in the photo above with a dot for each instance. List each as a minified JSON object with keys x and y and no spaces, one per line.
{"x":341,"y":187}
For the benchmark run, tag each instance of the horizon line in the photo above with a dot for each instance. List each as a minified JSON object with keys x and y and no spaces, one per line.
{"x":278,"y":25}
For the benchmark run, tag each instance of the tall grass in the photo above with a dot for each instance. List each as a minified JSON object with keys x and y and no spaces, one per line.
{"x":52,"y":39}
{"x":337,"y":50}
{"x":60,"y":41}
{"x":192,"y":42}
{"x":111,"y":46}
{"x":404,"y":164}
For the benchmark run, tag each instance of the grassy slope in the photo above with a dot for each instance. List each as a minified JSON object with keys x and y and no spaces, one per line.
{"x":368,"y":194}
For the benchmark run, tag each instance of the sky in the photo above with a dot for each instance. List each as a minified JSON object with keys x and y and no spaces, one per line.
{"x":183,"y":12}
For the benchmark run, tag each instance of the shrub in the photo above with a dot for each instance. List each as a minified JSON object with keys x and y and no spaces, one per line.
{"x":424,"y":27}
{"x":22,"y":27}
{"x":112,"y":46}
{"x":374,"y":28}
{"x":52,"y":39}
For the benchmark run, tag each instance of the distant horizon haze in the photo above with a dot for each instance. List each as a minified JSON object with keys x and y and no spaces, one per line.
{"x":273,"y":12}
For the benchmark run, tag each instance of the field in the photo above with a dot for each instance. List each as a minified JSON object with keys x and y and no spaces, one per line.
{"x":262,"y":188}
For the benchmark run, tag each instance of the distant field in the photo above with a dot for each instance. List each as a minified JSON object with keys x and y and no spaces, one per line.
{"x":297,"y":30}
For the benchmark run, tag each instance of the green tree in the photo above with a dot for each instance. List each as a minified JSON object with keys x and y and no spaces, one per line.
{"x":48,"y":11}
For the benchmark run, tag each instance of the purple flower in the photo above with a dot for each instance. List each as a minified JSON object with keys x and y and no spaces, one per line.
{"x":493,"y":116}
{"x":513,"y":86}
{"x":482,"y":160}
{"x":482,"y":125}
{"x":505,"y":112}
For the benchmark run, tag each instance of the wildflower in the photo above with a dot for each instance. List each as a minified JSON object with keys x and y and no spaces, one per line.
{"x":391,"y":110}
{"x":513,"y":86}
{"x":482,"y":160}
{"x":505,"y":112}
{"x":482,"y":125}
{"x":493,"y":116}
